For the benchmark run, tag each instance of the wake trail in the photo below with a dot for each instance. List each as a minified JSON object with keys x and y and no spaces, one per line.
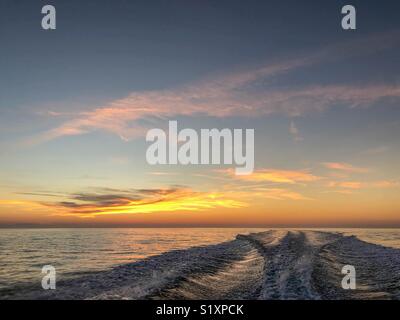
{"x":239,"y":278}
{"x":289,"y":263}
{"x":276,"y":264}
{"x":377,"y":270}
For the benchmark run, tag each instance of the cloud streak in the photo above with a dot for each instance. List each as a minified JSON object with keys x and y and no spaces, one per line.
{"x":88,"y":205}
{"x":234,"y":95}
{"x":276,"y":176}
{"x":356,"y":185}
{"x":281,"y":194}
{"x":346,"y":167}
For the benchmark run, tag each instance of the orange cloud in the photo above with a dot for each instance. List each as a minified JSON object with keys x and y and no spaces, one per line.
{"x":346,"y":192}
{"x":384,"y":184}
{"x":26,"y":204}
{"x":277,"y":176}
{"x":142,"y":201}
{"x":344,"y":167}
{"x":281,"y":194}
{"x":351,"y":185}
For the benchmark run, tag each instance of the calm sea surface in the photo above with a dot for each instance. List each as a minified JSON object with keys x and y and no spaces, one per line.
{"x":23,"y":252}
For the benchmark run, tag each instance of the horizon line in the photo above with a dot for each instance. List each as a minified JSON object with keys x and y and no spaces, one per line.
{"x":66,"y":226}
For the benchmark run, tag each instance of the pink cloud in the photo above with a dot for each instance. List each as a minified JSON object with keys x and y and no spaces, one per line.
{"x":382,"y":184}
{"x":229,"y":96}
{"x":341,"y":166}
{"x":275,"y":176}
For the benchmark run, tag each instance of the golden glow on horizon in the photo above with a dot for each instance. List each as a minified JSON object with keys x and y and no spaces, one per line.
{"x":243,"y":202}
{"x":183,"y":200}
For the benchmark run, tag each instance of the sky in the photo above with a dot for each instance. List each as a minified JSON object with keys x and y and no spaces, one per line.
{"x":76,"y":103}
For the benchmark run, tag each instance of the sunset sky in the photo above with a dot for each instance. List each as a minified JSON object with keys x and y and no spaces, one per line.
{"x":76,"y":103}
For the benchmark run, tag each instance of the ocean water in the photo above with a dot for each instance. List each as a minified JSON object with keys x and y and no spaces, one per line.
{"x":135,"y":263}
{"x":23,"y":252}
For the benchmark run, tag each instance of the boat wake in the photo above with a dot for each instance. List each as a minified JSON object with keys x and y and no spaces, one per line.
{"x":269,"y":265}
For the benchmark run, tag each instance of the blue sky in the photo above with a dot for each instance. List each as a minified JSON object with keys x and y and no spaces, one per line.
{"x":315,"y":94}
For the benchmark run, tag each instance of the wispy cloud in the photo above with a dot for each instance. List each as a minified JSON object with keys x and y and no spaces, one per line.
{"x":26,"y":205}
{"x":162,"y":173}
{"x":281,"y":194}
{"x":234,"y":95}
{"x":276,"y":176}
{"x":346,"y":167}
{"x":382,"y":184}
{"x":86,"y":205}
{"x":386,"y":184}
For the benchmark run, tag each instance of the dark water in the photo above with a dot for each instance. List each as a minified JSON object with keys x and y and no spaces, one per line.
{"x":200,"y":263}
{"x":23,"y":252}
